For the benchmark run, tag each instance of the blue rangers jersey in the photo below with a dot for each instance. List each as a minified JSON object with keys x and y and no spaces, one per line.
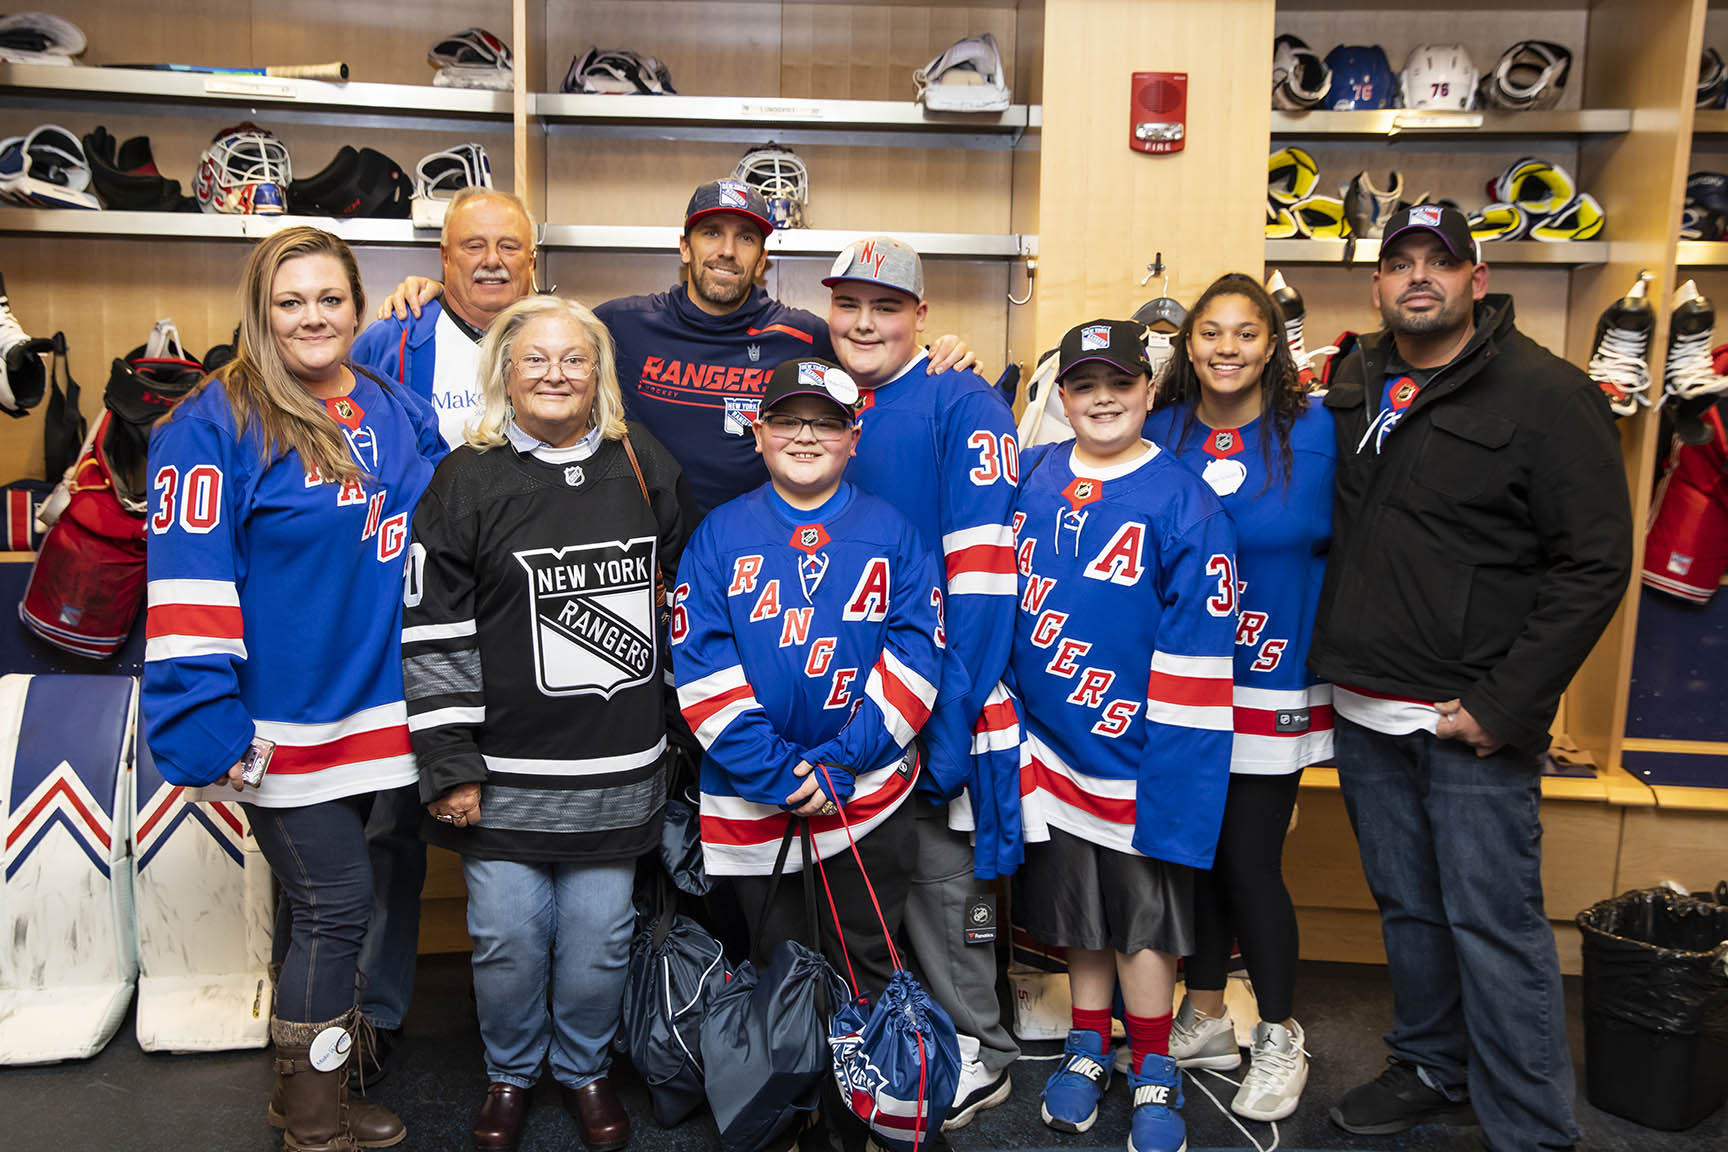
{"x":275,"y":599}
{"x":811,"y":636}
{"x":941,"y":450}
{"x":1283,"y":533}
{"x":1122,"y":651}
{"x":695,"y":381}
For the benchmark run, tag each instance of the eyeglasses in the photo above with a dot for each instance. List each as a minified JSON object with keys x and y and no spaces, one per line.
{"x":788,"y":427}
{"x":533,"y":366}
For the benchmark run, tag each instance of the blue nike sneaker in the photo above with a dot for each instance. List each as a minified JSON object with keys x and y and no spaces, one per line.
{"x":1071,"y":1094}
{"x":1157,"y":1126}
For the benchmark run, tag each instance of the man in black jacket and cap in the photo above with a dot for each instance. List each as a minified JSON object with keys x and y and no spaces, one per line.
{"x":1482,"y":540}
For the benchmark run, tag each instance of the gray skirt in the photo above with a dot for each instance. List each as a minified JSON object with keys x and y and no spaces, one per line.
{"x":1072,"y":893}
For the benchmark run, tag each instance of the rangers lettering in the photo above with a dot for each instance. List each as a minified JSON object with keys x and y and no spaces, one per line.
{"x":351,"y":492}
{"x":1270,"y":653}
{"x":1120,"y":561}
{"x":1023,"y":560}
{"x":1049,"y":627}
{"x":1094,"y":682}
{"x":392,"y":536}
{"x":1037,"y":591}
{"x":1248,"y":628}
{"x":870,"y":598}
{"x":767,"y":604}
{"x":1062,"y":664}
{"x":744,"y":572}
{"x":795,"y":627}
{"x":1116,"y":718}
{"x":838,"y":696}
{"x":374,"y":512}
{"x":821,"y":654}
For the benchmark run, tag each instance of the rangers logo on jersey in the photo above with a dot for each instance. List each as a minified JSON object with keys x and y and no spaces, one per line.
{"x":741,"y":412}
{"x":593,"y":619}
{"x":1094,"y":337}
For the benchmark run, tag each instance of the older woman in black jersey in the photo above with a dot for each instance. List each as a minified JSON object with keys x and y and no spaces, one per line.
{"x":535,"y":673}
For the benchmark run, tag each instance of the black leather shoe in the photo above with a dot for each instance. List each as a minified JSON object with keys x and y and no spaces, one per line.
{"x":1396,"y":1100}
{"x":599,"y":1114}
{"x":498,"y":1128}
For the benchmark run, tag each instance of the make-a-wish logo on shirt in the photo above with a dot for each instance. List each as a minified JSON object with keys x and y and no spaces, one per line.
{"x":592,"y":617}
{"x":740,"y":414}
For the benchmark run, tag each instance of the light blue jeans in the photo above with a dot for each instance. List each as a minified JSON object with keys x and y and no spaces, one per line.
{"x":550,"y":946}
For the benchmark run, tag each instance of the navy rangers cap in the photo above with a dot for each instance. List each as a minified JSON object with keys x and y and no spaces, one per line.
{"x":1119,"y":343}
{"x":732,"y":196}
{"x":1449,"y":224}
{"x":811,"y":376}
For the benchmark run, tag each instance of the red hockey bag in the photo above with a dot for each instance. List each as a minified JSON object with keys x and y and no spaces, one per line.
{"x":88,"y":580}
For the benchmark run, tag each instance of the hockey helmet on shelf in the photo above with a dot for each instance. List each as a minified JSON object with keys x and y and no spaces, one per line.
{"x":1439,"y":77}
{"x":1300,"y":79}
{"x":1528,"y":76}
{"x":780,"y":176}
{"x":1361,"y":78}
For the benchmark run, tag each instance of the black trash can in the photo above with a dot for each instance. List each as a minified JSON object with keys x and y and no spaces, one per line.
{"x":1656,"y":1007}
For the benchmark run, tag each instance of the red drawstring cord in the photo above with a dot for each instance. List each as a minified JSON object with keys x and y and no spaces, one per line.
{"x":893,"y":954}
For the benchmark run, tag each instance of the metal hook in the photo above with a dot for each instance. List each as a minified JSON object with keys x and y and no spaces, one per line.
{"x":1031,"y":272}
{"x":1156,"y":268}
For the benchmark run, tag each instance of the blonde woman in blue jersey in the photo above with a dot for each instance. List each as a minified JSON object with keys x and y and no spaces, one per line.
{"x":1230,"y":408}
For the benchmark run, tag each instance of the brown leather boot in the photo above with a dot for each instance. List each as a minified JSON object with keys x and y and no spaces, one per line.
{"x":313,"y":1105}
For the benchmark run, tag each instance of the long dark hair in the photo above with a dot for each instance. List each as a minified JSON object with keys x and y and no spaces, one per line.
{"x":1281,"y":396}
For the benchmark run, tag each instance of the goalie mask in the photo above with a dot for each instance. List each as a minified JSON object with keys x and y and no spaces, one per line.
{"x":244,"y":172}
{"x":780,"y":176}
{"x":618,"y":72}
{"x":1300,"y":79}
{"x":1530,"y":75}
{"x":1439,"y":77}
{"x":439,"y":176}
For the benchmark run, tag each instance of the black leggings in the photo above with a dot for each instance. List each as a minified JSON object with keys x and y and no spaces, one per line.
{"x":1243,"y":898}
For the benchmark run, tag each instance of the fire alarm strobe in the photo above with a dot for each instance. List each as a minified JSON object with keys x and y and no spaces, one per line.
{"x":1158,"y":111}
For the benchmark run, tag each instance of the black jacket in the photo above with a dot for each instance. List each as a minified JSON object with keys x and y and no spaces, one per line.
{"x":1481,"y":553}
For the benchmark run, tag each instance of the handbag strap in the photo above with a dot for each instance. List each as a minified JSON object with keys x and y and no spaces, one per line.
{"x":636,"y":467}
{"x":840,"y":809}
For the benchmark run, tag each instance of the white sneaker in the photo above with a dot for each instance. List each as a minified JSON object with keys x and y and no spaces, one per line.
{"x":1277,"y":1073}
{"x":976,"y":1091}
{"x":1203,"y":1041}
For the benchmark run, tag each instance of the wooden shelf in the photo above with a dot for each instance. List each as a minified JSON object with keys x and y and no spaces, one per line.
{"x":202,"y":226}
{"x":663,"y":111}
{"x":1702,"y":254}
{"x":352,"y":99}
{"x":1407,"y":124}
{"x":1709,"y":122}
{"x":792,"y":241}
{"x":1572,"y":252}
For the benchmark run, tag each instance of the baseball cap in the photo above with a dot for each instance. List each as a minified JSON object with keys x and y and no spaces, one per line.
{"x":1449,"y":224}
{"x":1120,"y":343}
{"x":810,"y":376}
{"x":880,"y":260}
{"x":733,"y":196}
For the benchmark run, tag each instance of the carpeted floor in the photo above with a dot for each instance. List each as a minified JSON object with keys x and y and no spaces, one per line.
{"x":123,"y":1100}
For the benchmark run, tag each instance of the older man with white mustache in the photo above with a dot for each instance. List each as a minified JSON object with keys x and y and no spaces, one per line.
{"x":488,"y":264}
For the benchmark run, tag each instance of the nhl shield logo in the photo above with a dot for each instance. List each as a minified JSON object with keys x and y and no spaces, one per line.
{"x":593,"y":616}
{"x":573,"y":475}
{"x":809,"y":538}
{"x":1225,"y":441}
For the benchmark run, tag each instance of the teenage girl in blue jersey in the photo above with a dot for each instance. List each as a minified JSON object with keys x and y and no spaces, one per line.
{"x":1229,"y":406}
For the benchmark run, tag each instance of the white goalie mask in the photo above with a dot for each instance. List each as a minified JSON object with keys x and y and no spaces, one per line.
{"x":244,"y":172}
{"x":782,"y":179}
{"x":1439,"y":77}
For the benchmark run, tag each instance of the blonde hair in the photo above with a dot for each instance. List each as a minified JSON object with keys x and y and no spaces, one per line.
{"x":607,"y":411}
{"x":262,"y":391}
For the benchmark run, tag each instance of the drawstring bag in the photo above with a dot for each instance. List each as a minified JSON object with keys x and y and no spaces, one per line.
{"x":764,"y":1048}
{"x":897,"y":1069}
{"x":675,"y":970}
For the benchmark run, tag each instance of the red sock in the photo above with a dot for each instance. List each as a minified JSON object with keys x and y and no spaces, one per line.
{"x":1147,"y":1035}
{"x":1099,"y":1022}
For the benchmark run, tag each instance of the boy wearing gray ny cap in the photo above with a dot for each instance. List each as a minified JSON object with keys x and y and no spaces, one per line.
{"x":940,"y":448}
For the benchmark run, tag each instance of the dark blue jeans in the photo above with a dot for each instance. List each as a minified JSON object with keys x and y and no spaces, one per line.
{"x":318,"y":855}
{"x":392,"y":946}
{"x":1452,"y":848}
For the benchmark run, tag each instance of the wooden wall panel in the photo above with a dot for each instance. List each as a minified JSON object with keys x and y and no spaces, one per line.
{"x":1108,"y":209}
{"x":712,"y":49}
{"x":1661,"y":844}
{"x":869,"y":51}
